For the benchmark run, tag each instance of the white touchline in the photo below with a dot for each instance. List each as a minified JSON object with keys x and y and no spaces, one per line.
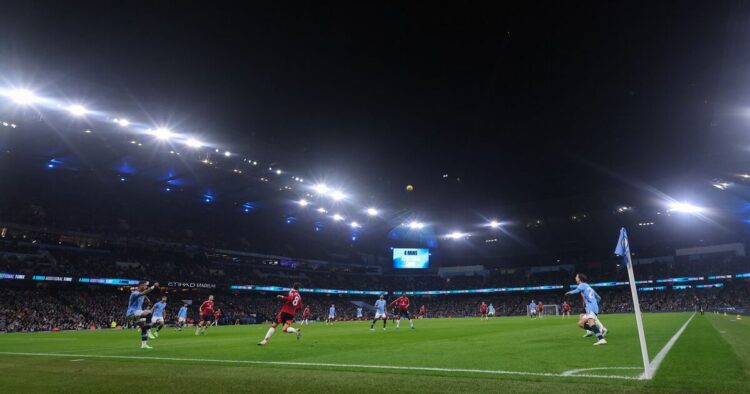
{"x":308,"y":364}
{"x":656,"y":362}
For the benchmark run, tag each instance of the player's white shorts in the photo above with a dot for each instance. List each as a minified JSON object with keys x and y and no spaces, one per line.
{"x":181,"y":320}
{"x":155,"y":319}
{"x":590,"y":315}
{"x":491,"y":313}
{"x":380,"y":315}
{"x":331,"y":317}
{"x":533,"y":311}
{"x":135,"y":314}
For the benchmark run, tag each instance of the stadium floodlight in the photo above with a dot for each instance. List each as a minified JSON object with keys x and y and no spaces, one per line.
{"x":372,"y":211}
{"x":22,"y":96}
{"x":415,"y":225}
{"x":321,"y":188}
{"x":322,"y":210}
{"x":684,"y":207}
{"x":456,"y":235}
{"x":494,"y":224}
{"x":162,"y":133}
{"x":78,"y":110}
{"x":303,"y":202}
{"x":278,"y":172}
{"x":337,"y":195}
{"x":722,"y":185}
{"x":338,"y":217}
{"x":193,"y":143}
{"x":355,"y":225}
{"x":227,"y":153}
{"x":122,"y":122}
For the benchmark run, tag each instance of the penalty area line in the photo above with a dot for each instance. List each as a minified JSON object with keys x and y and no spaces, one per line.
{"x":328,"y":365}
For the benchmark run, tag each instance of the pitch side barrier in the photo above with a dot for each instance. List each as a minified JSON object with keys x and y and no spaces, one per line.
{"x":678,"y":283}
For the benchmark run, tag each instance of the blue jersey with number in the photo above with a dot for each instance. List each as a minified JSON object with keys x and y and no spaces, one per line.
{"x":135,"y":302}
{"x":182,"y":313}
{"x":380,"y":306}
{"x":159,"y":309}
{"x":359,"y":312}
{"x":331,"y":311}
{"x":589,"y":297}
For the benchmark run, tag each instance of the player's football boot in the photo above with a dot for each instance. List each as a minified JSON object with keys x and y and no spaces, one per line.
{"x":262,"y":343}
{"x":298,"y":333}
{"x":588,"y":334}
{"x":600,"y":342}
{"x":151,"y":335}
{"x":145,"y":346}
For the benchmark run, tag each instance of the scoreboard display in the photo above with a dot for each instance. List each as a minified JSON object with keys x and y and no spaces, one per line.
{"x":411,"y":258}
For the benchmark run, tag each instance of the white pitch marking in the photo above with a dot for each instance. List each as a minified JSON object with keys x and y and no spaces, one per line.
{"x":79,"y":359}
{"x":308,"y":364}
{"x":656,"y":362}
{"x":574,"y":372}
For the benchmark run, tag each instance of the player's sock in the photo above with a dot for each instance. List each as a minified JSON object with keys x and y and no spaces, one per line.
{"x":411,"y":323}
{"x":600,"y":325}
{"x":398,"y":323}
{"x":160,"y":327}
{"x":596,"y":331}
{"x":144,"y":333}
{"x":269,"y":334}
{"x":384,"y":323}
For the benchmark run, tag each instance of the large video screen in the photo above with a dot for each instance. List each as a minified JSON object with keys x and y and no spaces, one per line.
{"x":411,"y":258}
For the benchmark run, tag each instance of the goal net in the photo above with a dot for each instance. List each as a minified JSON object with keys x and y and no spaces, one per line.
{"x":547,"y":310}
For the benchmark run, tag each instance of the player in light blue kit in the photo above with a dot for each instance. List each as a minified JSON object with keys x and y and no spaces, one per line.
{"x":331,"y":314}
{"x":379,"y":312}
{"x":136,"y":314}
{"x":359,"y":313}
{"x":532,"y":309}
{"x":157,"y":318}
{"x":490,"y":311}
{"x":182,"y":317}
{"x":588,"y":319}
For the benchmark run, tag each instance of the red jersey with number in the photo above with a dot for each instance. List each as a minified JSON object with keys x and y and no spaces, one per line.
{"x":483,"y":308}
{"x":306,"y":313}
{"x":402,"y":303}
{"x":217,"y":315}
{"x":207,"y":308}
{"x":566,"y":307}
{"x":292,"y":302}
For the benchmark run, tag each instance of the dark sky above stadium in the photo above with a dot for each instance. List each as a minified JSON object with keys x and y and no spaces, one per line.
{"x":522,"y":102}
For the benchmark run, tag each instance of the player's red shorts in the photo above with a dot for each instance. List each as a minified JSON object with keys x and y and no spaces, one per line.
{"x":208,"y":317}
{"x":283,"y":318}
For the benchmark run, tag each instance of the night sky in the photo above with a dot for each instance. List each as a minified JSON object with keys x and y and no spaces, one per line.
{"x":522,"y":103}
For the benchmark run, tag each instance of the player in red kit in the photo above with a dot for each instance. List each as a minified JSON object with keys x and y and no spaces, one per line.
{"x":217,"y":315}
{"x":292,"y":303}
{"x":483,"y":311}
{"x":206,"y":311}
{"x":402,"y":304}
{"x":566,"y":309}
{"x":540,"y":309}
{"x":306,"y":315}
{"x":421,"y":312}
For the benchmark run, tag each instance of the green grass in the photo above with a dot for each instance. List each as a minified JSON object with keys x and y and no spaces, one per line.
{"x":711,"y":355}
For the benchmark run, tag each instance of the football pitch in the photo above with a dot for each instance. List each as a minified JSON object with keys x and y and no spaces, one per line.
{"x":711,"y":354}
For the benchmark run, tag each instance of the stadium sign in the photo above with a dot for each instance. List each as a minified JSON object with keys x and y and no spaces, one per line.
{"x":192,"y":285}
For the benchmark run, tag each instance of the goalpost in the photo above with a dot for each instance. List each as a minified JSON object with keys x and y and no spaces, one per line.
{"x":547,"y":310}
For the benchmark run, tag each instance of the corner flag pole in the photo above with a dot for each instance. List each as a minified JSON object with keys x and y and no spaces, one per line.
{"x":623,"y":249}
